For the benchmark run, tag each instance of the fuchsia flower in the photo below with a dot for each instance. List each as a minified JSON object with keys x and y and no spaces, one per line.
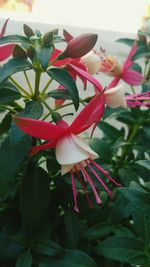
{"x":72,"y":153}
{"x":110,"y":66}
{"x":5,"y":50}
{"x":136,"y":100}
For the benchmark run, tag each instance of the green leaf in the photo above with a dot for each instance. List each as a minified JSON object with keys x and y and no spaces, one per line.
{"x":13,"y":66}
{"x":5,"y":124}
{"x":142,"y":51}
{"x":109,"y":131}
{"x":59,"y":94}
{"x":33,"y":109}
{"x":63,"y":77}
{"x":11,"y":160}
{"x":71,"y":258}
{"x":101,"y":147}
{"x":126,"y":41}
{"x":43,"y":54}
{"x":34,"y":197}
{"x":127,"y":174}
{"x":144,"y":163}
{"x":72,"y":228}
{"x":48,"y":248}
{"x":100,"y":230}
{"x":28,"y":31}
{"x":25,"y":259}
{"x":8,"y":93}
{"x":15,"y":39}
{"x":124,"y":249}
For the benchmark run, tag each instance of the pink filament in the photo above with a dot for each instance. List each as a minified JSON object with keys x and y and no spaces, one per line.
{"x":100,"y":180}
{"x":74,"y":192}
{"x":85,"y":174}
{"x":104,"y":172}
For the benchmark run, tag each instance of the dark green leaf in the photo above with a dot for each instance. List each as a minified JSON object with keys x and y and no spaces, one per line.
{"x":19,"y":52}
{"x":144,"y":163}
{"x":47,"y":247}
{"x":33,"y":109}
{"x":126,"y":41}
{"x":8,"y":93}
{"x":101,"y":147}
{"x":6,"y":123}
{"x":63,"y":77}
{"x":59,"y":94}
{"x":11,"y":160}
{"x":13,"y":66}
{"x":72,"y":228}
{"x":25,"y":259}
{"x":124,"y":249}
{"x":28,"y":31}
{"x":109,"y":131}
{"x":48,"y":38}
{"x":34,"y":197}
{"x":97,"y":231}
{"x":14,"y":39}
{"x":71,"y":258}
{"x":142,"y":51}
{"x":43,"y":54}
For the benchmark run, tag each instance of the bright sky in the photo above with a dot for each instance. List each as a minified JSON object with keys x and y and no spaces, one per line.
{"x":116,"y":15}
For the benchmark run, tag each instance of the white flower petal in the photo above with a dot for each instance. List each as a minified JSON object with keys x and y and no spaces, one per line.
{"x":68,"y":152}
{"x":66,"y":168}
{"x":92,"y":62}
{"x":115,"y":98}
{"x":85,"y":146}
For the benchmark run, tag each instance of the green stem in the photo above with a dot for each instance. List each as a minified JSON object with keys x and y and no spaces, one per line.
{"x":28,"y":82}
{"x":37,"y":83}
{"x":46,"y":87}
{"x":10,"y":109}
{"x":20,"y":87}
{"x":46,"y":105}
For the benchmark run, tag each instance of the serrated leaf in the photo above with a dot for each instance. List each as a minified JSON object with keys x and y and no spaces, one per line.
{"x":13,"y":66}
{"x":25,"y":259}
{"x":63,"y":78}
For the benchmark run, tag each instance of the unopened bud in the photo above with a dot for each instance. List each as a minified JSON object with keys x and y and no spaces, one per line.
{"x":56,"y":117}
{"x":80,"y":45}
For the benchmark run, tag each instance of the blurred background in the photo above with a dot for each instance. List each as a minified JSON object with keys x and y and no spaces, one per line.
{"x":113,"y":15}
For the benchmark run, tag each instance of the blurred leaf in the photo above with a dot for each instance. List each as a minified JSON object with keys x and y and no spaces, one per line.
{"x":127,"y":175}
{"x":143,"y":51}
{"x":72,"y":228}
{"x":71,"y":258}
{"x":43,"y":54}
{"x":64,"y":78}
{"x":28,"y":31}
{"x":5,"y":124}
{"x":11,"y":160}
{"x":126,"y":41}
{"x":15,"y":39}
{"x":59,"y":94}
{"x":124,"y":249}
{"x":144,"y":163}
{"x":34,"y":197}
{"x":101,"y":147}
{"x":13,"y":66}
{"x":19,"y":52}
{"x":8,"y":93}
{"x":47,"y":247}
{"x":25,"y":259}
{"x":109,"y":131}
{"x":97,"y":231}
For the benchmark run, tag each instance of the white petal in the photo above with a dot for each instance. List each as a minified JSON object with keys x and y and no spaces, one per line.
{"x":115,"y":98}
{"x":66,"y":168}
{"x":92,"y":62}
{"x":69,"y":152}
{"x":85,"y":146}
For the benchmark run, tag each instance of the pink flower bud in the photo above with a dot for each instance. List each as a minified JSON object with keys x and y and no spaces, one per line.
{"x":80,"y":45}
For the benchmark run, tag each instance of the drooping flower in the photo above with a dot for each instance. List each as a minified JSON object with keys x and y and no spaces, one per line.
{"x":72,"y":153}
{"x":91,"y":61}
{"x":5,"y":50}
{"x":137,"y":100}
{"x":110,"y":66}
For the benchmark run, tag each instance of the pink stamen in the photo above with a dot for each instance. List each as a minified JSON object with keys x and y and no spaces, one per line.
{"x":84,"y":172}
{"x":83,"y":187}
{"x":105,"y":173}
{"x":74,"y":192}
{"x":100,"y":180}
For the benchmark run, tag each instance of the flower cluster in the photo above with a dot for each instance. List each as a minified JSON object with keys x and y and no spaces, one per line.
{"x":79,"y":59}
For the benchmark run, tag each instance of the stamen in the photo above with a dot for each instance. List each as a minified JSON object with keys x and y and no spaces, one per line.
{"x":74,"y":192}
{"x":104,"y":172}
{"x":100,"y":180}
{"x":84,"y":172}
{"x":83,"y":187}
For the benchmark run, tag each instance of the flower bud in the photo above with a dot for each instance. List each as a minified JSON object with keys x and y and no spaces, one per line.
{"x":80,"y":45}
{"x":92,"y":62}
